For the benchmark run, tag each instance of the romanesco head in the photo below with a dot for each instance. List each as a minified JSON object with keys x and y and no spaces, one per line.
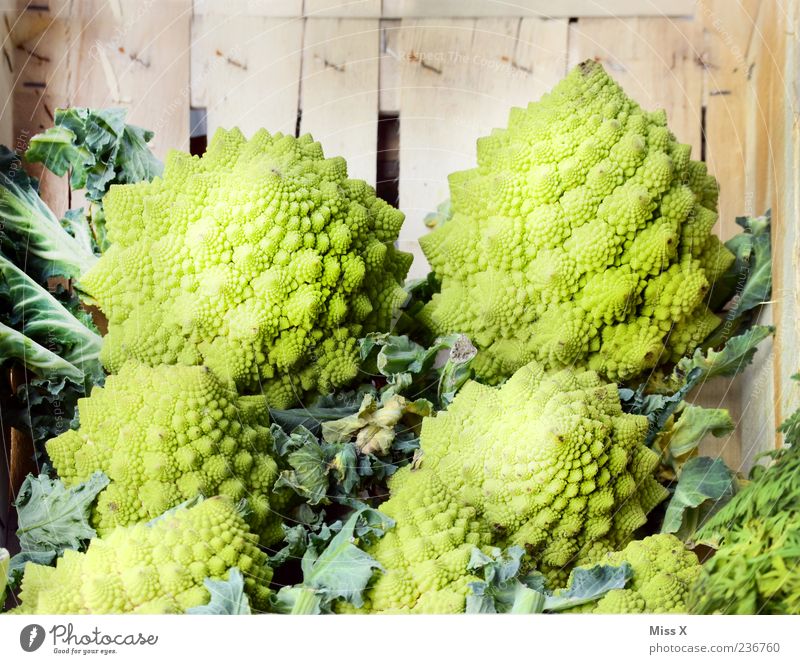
{"x":664,"y":572}
{"x":582,"y":237}
{"x":260,"y":260}
{"x":164,"y":435}
{"x":158,"y":568}
{"x":548,"y":461}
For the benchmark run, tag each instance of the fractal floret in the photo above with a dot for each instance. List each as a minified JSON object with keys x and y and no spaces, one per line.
{"x":664,"y":572}
{"x":167,"y":434}
{"x":548,"y":462}
{"x":152,"y":568}
{"x":260,"y":260}
{"x":583,"y":237}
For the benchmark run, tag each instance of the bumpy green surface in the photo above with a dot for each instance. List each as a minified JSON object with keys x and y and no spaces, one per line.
{"x":757,"y":566}
{"x":260,"y":260}
{"x":547,"y":461}
{"x":582,"y":237}
{"x":663,"y":574}
{"x":152,"y":569}
{"x":167,"y":434}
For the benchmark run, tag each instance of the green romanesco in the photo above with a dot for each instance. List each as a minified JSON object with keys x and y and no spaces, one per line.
{"x":548,"y":462}
{"x":157,"y":568}
{"x":663,"y":574}
{"x":260,"y":260}
{"x":583,"y":237}
{"x":756,"y":569}
{"x":167,"y":434}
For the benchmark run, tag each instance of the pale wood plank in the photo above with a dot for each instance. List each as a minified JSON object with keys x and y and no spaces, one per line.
{"x":538,"y":8}
{"x":342,"y":8}
{"x":727,"y":34}
{"x":772,"y":163}
{"x":339,"y":90}
{"x":389,"y":92}
{"x":40,"y":55}
{"x":246,"y":71}
{"x":118,"y":58}
{"x":459,"y":78}
{"x":6,"y":83}
{"x":656,"y":60}
{"x":272,"y":8}
{"x":444,"y":8}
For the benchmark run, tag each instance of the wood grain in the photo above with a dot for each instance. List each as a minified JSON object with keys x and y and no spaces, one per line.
{"x":339,"y":90}
{"x":246,"y":71}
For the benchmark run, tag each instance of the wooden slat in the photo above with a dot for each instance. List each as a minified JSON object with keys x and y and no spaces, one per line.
{"x":389,"y":93}
{"x":459,"y":78}
{"x":444,"y":8}
{"x":40,"y":56}
{"x":769,"y":394}
{"x":656,"y":60}
{"x":537,"y":8}
{"x":727,"y":35}
{"x":271,"y":8}
{"x":246,"y":71}
{"x":117,"y":58}
{"x":342,"y":8}
{"x":339,"y":90}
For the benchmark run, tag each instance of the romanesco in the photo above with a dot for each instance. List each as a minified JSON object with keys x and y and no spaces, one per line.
{"x":548,"y":462}
{"x":167,"y":434}
{"x":260,"y":260}
{"x":663,"y":574}
{"x":582,"y":237}
{"x":158,"y":568}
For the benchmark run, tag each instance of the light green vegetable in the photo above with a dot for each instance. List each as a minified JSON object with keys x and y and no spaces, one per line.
{"x":547,"y":462}
{"x":582,"y":238}
{"x":159,"y":568}
{"x":260,"y":260}
{"x":168,"y":434}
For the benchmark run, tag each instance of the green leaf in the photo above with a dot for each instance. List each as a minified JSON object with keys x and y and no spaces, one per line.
{"x":748,"y":282}
{"x":98,"y":149}
{"x":732,"y":358}
{"x":457,"y":370}
{"x":588,"y":584}
{"x":16,"y":346}
{"x":38,"y":315}
{"x":694,"y":424}
{"x":52,"y":517}
{"x":342,"y":570}
{"x":500,"y":584}
{"x":227,"y":597}
{"x":505,"y":590}
{"x":308,"y":473}
{"x":410,"y":369}
{"x":790,"y":427}
{"x":704,"y":486}
{"x":443,"y":214}
{"x":40,"y":241}
{"x":5,"y":559}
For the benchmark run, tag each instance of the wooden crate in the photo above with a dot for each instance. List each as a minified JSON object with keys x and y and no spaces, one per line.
{"x":402,"y":88}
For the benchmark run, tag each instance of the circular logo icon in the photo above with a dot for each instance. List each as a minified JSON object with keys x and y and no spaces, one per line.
{"x":31,"y":637}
